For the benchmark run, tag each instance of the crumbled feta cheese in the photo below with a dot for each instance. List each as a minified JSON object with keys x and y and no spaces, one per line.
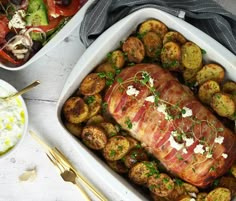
{"x":175,"y":144}
{"x":162,"y":108}
{"x":192,"y":194}
{"x":188,"y":112}
{"x":132,"y":91}
{"x":17,"y":20}
{"x":150,"y":99}
{"x":185,"y":151}
{"x":199,"y":149}
{"x":174,"y":133}
{"x":151,"y":82}
{"x":188,"y":141}
{"x":224,"y":155}
{"x":219,"y":140}
{"x":209,"y":155}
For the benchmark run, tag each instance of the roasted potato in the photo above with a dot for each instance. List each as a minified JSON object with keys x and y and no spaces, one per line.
{"x":171,"y":56}
{"x":75,"y":110}
{"x":134,"y":156}
{"x":229,"y":87}
{"x":134,"y":49}
{"x":153,"y":44}
{"x":219,"y":194}
{"x":178,"y":191}
{"x":116,"y":59}
{"x":189,"y":75}
{"x":133,"y":142}
{"x":92,"y":84}
{"x":189,"y":188}
{"x":233,"y":170}
{"x":162,"y":185}
{"x":174,"y":36}
{"x":201,"y":196}
{"x":94,"y":137}
{"x":185,"y":198}
{"x":223,"y":104}
{"x":118,"y":166}
{"x":159,"y":198}
{"x":94,"y":120}
{"x":191,"y":56}
{"x":94,"y":103}
{"x":229,"y":183}
{"x":154,"y":26}
{"x":116,"y":148}
{"x":210,"y":72}
{"x":105,"y":67}
{"x":141,"y":171}
{"x":74,"y":129}
{"x":207,"y":90}
{"x":109,"y":128}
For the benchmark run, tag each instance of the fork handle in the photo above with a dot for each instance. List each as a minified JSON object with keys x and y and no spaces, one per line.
{"x":82,"y":191}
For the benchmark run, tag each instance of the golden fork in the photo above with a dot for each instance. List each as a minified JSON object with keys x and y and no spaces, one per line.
{"x":63,"y":161}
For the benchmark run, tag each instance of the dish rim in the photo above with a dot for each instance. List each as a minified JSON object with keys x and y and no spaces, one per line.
{"x":91,"y":56}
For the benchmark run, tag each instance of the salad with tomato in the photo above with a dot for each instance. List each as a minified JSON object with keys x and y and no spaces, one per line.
{"x":27,"y":25}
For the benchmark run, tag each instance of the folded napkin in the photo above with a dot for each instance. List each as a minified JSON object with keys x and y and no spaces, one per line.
{"x":206,"y":15}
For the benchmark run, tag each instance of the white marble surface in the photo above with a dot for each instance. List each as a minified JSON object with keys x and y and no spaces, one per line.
{"x":52,"y":70}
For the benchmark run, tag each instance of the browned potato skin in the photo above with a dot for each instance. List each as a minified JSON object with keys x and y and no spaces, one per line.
{"x":191,"y":55}
{"x":178,"y":191}
{"x":223,"y":104}
{"x":134,"y":156}
{"x":201,"y":196}
{"x":105,"y":67}
{"x":189,"y":75}
{"x":210,"y":72}
{"x":174,"y":36}
{"x":75,"y":110}
{"x":161,"y":185}
{"x":74,"y":129}
{"x":94,"y":120}
{"x":109,"y":128}
{"x":117,"y":59}
{"x":190,"y":188}
{"x":229,"y":87}
{"x":139,"y":173}
{"x":158,"y":198}
{"x":207,"y":90}
{"x":116,"y":148}
{"x":171,"y":56}
{"x":233,"y":170}
{"x":95,"y":105}
{"x":153,"y":44}
{"x":153,"y":25}
{"x":219,"y":194}
{"x":94,"y":137}
{"x":229,"y":183}
{"x":118,"y":166}
{"x":133,"y":142}
{"x":92,"y":84}
{"x":134,"y":49}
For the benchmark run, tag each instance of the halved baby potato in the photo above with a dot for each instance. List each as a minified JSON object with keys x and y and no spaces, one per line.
{"x":94,"y":137}
{"x":94,"y":103}
{"x":134,"y":49}
{"x":117,"y":59}
{"x":229,"y":87}
{"x":191,"y":55}
{"x":189,"y":75}
{"x":92,"y":84}
{"x":210,"y":72}
{"x":94,"y":120}
{"x":74,"y":129}
{"x":201,"y":196}
{"x":171,"y":56}
{"x":75,"y":110}
{"x":106,"y":68}
{"x":174,"y":36}
{"x":154,"y":26}
{"x":233,"y":170}
{"x":229,"y":183}
{"x":190,"y":188}
{"x":219,"y":194}
{"x":134,"y":156}
{"x":133,"y":142}
{"x":153,"y":44}
{"x":223,"y":104}
{"x":118,"y":166}
{"x":109,"y":128}
{"x":162,"y":185}
{"x":141,"y":171}
{"x":207,"y":90}
{"x":116,"y":148}
{"x":178,"y":191}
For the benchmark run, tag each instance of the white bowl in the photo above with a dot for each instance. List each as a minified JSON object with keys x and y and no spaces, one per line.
{"x":61,"y":35}
{"x":11,"y":90}
{"x":109,"y":41}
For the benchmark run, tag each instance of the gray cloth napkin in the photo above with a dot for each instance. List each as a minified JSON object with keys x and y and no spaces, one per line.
{"x":206,"y":15}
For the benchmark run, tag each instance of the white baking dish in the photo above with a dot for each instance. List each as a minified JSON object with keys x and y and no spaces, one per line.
{"x":109,"y":41}
{"x":61,"y":35}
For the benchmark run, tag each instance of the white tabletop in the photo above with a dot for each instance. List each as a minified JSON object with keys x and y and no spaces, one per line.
{"x":52,"y":70}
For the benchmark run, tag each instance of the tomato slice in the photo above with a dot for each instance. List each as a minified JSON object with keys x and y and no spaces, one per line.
{"x":69,"y":10}
{"x":7,"y":58}
{"x":3,"y":28}
{"x":53,"y":23}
